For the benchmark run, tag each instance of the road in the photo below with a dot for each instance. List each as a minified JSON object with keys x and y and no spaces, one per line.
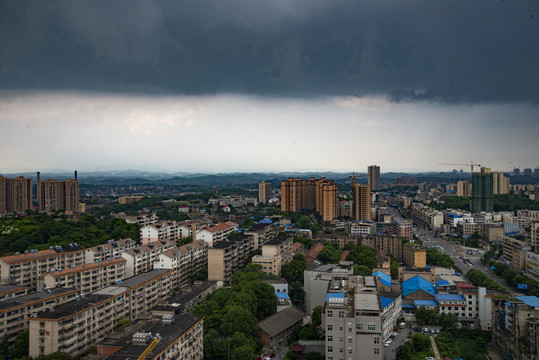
{"x":390,"y":351}
{"x":471,"y":261}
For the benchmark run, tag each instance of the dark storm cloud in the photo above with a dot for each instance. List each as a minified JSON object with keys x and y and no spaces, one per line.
{"x":452,"y":51}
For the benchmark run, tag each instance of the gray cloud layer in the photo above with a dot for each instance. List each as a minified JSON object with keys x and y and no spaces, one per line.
{"x":461,"y":51}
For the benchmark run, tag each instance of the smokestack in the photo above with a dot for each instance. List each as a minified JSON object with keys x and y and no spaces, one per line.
{"x":75,"y":174}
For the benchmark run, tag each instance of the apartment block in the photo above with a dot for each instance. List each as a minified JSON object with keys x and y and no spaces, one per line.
{"x":270,"y":264}
{"x":312,"y":194}
{"x":279,"y":246}
{"x":463,"y":188}
{"x":159,"y":231}
{"x":262,"y":233}
{"x":362,"y":228}
{"x":386,"y":243}
{"x":362,"y":202}
{"x":87,"y":278}
{"x":180,"y":338}
{"x":15,"y":312}
{"x":500,"y":183}
{"x":515,"y":325}
{"x":217,"y":233}
{"x":225,"y":257}
{"x":482,"y":191}
{"x":112,"y":249}
{"x":55,"y":195}
{"x":415,"y":256}
{"x":141,"y":259}
{"x":264,"y":192}
{"x":187,"y":260}
{"x":352,"y":319}
{"x":142,"y":220}
{"x":427,"y":216}
{"x":15,"y":195}
{"x":73,"y":327}
{"x":24,"y":269}
{"x":514,"y":252}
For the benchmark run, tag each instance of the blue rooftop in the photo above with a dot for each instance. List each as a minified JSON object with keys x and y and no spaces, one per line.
{"x":450,"y":297}
{"x":282,"y":295}
{"x":265,"y":221}
{"x":385,"y":301}
{"x":417,"y":283}
{"x":408,"y":306}
{"x":442,"y":283}
{"x":339,"y":295}
{"x":419,"y":303}
{"x":384,"y":278}
{"x":533,"y":301}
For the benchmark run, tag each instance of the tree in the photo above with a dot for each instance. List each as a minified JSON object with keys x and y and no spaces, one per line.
{"x":20,"y":347}
{"x":362,"y":270}
{"x":448,"y":321}
{"x":329,"y":254}
{"x":236,"y":318}
{"x":317,"y":315}
{"x":405,"y":351}
{"x":293,"y":271}
{"x":421,"y":342}
{"x":243,"y":352}
{"x":314,"y":356}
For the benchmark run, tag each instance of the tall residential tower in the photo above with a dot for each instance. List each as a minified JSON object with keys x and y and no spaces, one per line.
{"x":374,"y":177}
{"x":54,"y":195}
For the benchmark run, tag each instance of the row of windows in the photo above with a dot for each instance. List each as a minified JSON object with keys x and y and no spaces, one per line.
{"x":350,"y":351}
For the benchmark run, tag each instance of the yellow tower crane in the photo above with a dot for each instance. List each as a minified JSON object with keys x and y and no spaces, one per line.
{"x":354,"y":176}
{"x":150,"y":347}
{"x":471,"y":165}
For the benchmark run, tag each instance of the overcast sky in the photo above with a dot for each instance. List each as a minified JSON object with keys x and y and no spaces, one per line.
{"x":279,"y":85}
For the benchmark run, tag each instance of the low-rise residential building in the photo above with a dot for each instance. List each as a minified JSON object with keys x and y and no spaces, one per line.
{"x":403,"y":228}
{"x":25,"y":269}
{"x":187,"y":260}
{"x":262,"y":233}
{"x":159,"y":231}
{"x":217,"y":233}
{"x":514,"y":253}
{"x":141,"y":259}
{"x":270,"y":264}
{"x":180,"y":338}
{"x":15,"y":312}
{"x":12,"y":291}
{"x":87,"y":278}
{"x":186,"y":299}
{"x":362,"y":228}
{"x":392,"y":311}
{"x":112,"y":249}
{"x":226,"y":257}
{"x":73,"y":327}
{"x":454,"y":304}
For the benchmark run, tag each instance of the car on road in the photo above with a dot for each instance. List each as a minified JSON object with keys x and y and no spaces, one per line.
{"x":425,"y":330}
{"x":395,"y":333}
{"x":386,"y":344}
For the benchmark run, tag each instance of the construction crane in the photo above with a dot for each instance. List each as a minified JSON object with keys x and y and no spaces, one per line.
{"x":471,"y":165}
{"x":150,"y":347}
{"x":354,"y":176}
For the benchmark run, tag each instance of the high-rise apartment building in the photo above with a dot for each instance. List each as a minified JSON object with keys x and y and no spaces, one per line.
{"x":362,"y":202}
{"x":312,"y":194}
{"x":264,"y":192}
{"x":55,"y":195}
{"x":516,"y":171}
{"x":15,"y":195}
{"x":501,"y":183}
{"x":374,"y":177}
{"x":462,"y":189}
{"x":482,"y":191}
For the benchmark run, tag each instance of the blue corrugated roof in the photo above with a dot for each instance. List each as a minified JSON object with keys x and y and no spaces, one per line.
{"x":282,"y":295}
{"x":442,"y":283}
{"x":533,"y":301}
{"x":265,"y":221}
{"x":419,"y":303}
{"x":408,"y":306}
{"x":384,"y":278}
{"x":416,"y":283}
{"x":339,"y":295}
{"x":385,"y":301}
{"x":450,"y":297}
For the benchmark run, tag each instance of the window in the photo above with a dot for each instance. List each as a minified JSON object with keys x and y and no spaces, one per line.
{"x":350,"y":329}
{"x":330,"y":313}
{"x":330,"y":327}
{"x":359,"y":327}
{"x":341,"y":329}
{"x":469,"y":309}
{"x":449,"y":308}
{"x":349,"y":340}
{"x":350,"y":351}
{"x":341,"y":314}
{"x":469,"y":303}
{"x":330,"y":349}
{"x":371,"y":327}
{"x":341,"y":339}
{"x":330,"y":338}
{"x":377,"y":340}
{"x":443,"y":307}
{"x":341,"y":350}
{"x":376,"y":351}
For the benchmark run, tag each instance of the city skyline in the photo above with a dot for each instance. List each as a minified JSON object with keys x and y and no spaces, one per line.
{"x":268,"y":87}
